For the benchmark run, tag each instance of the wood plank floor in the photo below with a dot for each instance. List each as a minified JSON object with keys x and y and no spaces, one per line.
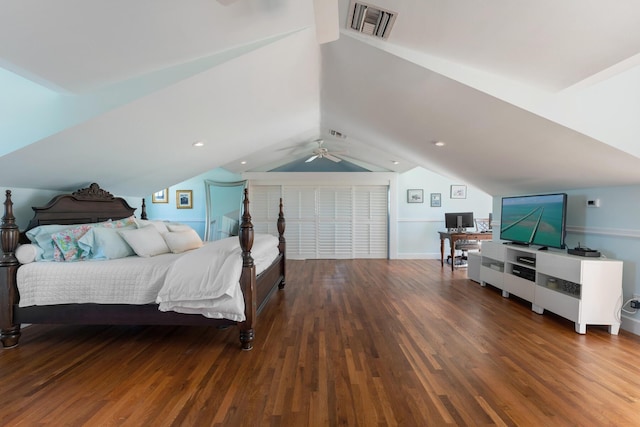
{"x":352,"y":343}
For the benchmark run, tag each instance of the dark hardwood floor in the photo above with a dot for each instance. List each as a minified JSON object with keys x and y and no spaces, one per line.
{"x":353,"y":343}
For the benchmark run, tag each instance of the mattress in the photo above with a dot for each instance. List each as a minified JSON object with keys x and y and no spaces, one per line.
{"x":131,"y":280}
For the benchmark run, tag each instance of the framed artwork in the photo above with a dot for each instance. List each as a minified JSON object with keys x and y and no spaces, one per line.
{"x":458,"y":191}
{"x":436,"y":200}
{"x":415,"y":196}
{"x":161,"y":196}
{"x":184,"y":199}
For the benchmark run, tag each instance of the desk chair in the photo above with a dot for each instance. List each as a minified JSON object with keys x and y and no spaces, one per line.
{"x":464,"y":246}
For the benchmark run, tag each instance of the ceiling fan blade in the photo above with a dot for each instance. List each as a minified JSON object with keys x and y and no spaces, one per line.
{"x":332,"y":158}
{"x":311,"y":159}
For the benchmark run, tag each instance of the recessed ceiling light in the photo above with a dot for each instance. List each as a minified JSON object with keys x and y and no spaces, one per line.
{"x":198,"y":144}
{"x":439,"y":144}
{"x":244,"y":162}
{"x":395,"y":162}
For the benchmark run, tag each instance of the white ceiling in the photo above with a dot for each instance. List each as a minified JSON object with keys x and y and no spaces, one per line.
{"x":528,"y":96}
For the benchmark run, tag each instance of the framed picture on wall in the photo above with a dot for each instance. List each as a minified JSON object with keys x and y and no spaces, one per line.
{"x":436,"y":200}
{"x":415,"y":196}
{"x":161,"y":196}
{"x":458,"y":191}
{"x":184,"y":199}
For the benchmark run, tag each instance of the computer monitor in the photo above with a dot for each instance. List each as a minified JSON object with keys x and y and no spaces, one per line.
{"x":458,"y":220}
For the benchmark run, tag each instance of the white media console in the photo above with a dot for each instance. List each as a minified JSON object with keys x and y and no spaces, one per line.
{"x":582,"y":289}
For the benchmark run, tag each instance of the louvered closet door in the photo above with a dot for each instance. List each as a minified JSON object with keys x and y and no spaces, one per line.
{"x":335,"y":222}
{"x":370,"y":222}
{"x":264,"y":206}
{"x":300,"y":214}
{"x":326,"y":221}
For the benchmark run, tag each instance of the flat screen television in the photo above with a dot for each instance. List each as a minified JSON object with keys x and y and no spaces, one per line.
{"x":458,"y":220}
{"x":535,"y":220}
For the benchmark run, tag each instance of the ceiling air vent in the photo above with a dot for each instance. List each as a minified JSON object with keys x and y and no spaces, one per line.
{"x":337,"y":134}
{"x":370,"y":20}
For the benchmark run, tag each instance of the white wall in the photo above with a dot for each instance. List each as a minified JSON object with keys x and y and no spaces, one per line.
{"x":418,"y":223}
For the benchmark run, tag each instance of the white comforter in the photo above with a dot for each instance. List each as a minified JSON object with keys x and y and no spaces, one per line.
{"x":206,"y":281}
{"x":203,"y":281}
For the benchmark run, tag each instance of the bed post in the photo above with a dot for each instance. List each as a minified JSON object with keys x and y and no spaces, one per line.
{"x":282,"y":245}
{"x":248,"y":277}
{"x":9,"y":236}
{"x":143,"y":210}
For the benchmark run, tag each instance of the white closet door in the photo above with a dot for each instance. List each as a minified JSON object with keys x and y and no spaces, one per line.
{"x":264,"y":206}
{"x":300,"y":214}
{"x":335,"y":222}
{"x":370,"y":222}
{"x":326,"y":221}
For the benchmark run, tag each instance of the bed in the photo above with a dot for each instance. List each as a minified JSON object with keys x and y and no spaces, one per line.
{"x":93,"y":205}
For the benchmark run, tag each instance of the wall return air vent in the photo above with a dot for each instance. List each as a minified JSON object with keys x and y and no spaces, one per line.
{"x":370,"y":20}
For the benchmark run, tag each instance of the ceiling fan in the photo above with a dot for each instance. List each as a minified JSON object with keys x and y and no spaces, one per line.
{"x":321,"y":152}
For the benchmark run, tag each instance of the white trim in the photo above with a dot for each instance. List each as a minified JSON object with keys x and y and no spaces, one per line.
{"x":630,"y":324}
{"x":612,"y":232}
{"x":420,"y":220}
{"x":418,"y":255}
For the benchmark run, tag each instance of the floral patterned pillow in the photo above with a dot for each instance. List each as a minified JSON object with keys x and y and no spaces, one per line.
{"x":66,"y":243}
{"x":129,"y":222}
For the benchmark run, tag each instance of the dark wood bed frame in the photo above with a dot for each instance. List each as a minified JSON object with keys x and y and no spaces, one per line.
{"x":93,"y":204}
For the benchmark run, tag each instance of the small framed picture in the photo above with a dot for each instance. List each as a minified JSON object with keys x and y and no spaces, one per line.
{"x":436,"y":200}
{"x":184,"y":199}
{"x":458,"y":191}
{"x":415,"y":196}
{"x":161,"y":196}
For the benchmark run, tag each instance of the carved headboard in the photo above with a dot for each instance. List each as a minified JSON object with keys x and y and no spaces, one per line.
{"x":87,"y":205}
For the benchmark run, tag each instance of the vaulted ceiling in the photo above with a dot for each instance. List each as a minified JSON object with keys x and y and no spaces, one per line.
{"x":527,"y":96}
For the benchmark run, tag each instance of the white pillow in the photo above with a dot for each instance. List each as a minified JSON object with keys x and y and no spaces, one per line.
{"x":28,"y":253}
{"x":105,"y":243}
{"x":146,"y":242}
{"x":178,"y":227}
{"x":159,"y":225}
{"x":180,"y":241}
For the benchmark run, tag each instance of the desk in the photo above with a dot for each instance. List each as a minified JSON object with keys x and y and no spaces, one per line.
{"x":454,"y":236}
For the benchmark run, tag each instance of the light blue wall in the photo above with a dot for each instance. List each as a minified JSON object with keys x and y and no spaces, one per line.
{"x":613,"y":229}
{"x":419,"y":223}
{"x":195,"y":217}
{"x":22,"y":100}
{"x":25,"y":198}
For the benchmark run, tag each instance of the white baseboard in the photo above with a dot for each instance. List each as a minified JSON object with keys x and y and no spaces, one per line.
{"x":420,"y":255}
{"x":630,"y":324}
